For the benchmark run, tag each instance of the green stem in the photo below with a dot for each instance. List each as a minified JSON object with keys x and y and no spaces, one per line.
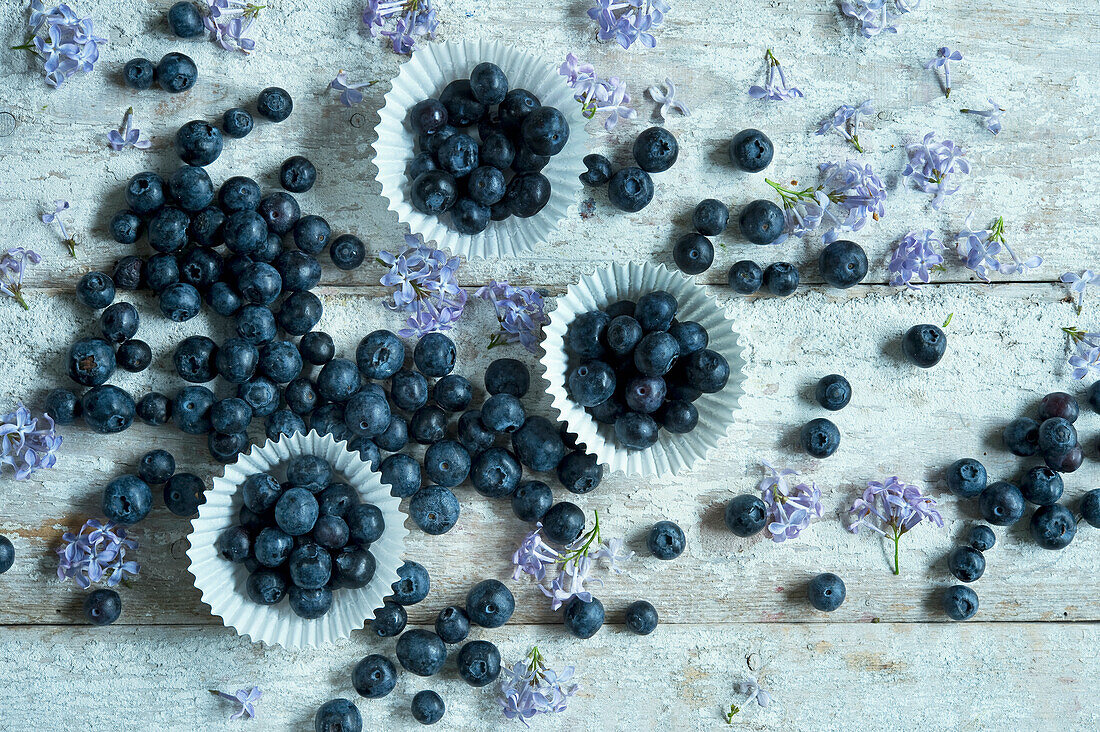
{"x":897,"y":565}
{"x":71,"y":244}
{"x":855,"y":141}
{"x":18,"y":297}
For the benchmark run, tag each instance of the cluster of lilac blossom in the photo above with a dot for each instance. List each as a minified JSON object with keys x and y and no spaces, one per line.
{"x":25,"y":444}
{"x":96,"y":556}
{"x":1085,"y":357}
{"x":425,"y":285}
{"x":596,"y":95}
{"x":229,"y":22}
{"x":13,"y":266}
{"x":349,"y":92}
{"x":914,"y":259}
{"x":246,"y":698}
{"x":775,"y":87}
{"x":875,"y":16}
{"x":790,"y":507}
{"x":529,"y":687}
{"x":412,"y":19}
{"x":980,"y":251}
{"x":933,"y":167}
{"x":627,"y":21}
{"x":845,"y":120}
{"x":66,"y":42}
{"x":126,"y":135}
{"x":521,"y":312}
{"x":575,"y":564}
{"x":849,"y":195}
{"x":892,"y":509}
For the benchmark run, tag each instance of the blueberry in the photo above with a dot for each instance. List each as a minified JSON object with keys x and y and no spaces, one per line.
{"x":339,"y":498}
{"x":434,"y":509}
{"x":630,"y":189}
{"x":655,"y":150}
{"x":107,"y":409}
{"x":706,"y":370}
{"x":374,"y":676}
{"x":412,"y":583}
{"x":380,"y":355}
{"x":531,"y":500}
{"x":966,"y":563}
{"x":656,"y":353}
{"x":503,"y":413}
{"x":583,"y":619}
{"x":395,"y":436}
{"x":495,"y":473}
{"x":678,"y":416}
{"x":402,"y":473}
{"x":463,"y":108}
{"x":260,"y":491}
{"x":63,"y":406}
{"x":139,"y":73}
{"x":283,"y":422}
{"x":599,"y":170}
{"x":420,"y":163}
{"x":154,"y":409}
{"x":666,"y":540}
{"x":145,"y":193}
{"x":190,"y":187}
{"x":367,"y":413}
{"x":537,"y":443}
{"x":1053,"y":526}
{"x":433,"y":192}
{"x":497,"y":151}
{"x":750,"y":150}
{"x":408,"y":390}
{"x":960,"y":602}
{"x":184,"y":20}
{"x":297,"y":174}
{"x":843,"y":264}
{"x":126,"y":227}
{"x":237,"y":122}
{"x":622,"y":335}
{"x":527,"y":194}
{"x":591,"y":383}
{"x":300,"y":312}
{"x":102,"y":607}
{"x":1021,"y":437}
{"x":1001,"y":504}
{"x":156,"y":467}
{"x":453,"y":393}
{"x":781,"y":279}
{"x":168,"y":229}
{"x":746,"y":515}
{"x":655,"y":311}
{"x":338,"y":380}
{"x":833,"y":392}
{"x":239,"y":193}
{"x":352,"y":566}
{"x":584,"y":335}
{"x":473,"y":435}
{"x":421,"y":652}
{"x":134,"y":356}
{"x":296,"y":512}
{"x":645,"y":394}
{"x":280,"y":211}
{"x":311,"y":234}
{"x":641,"y":617}
{"x":310,"y":604}
{"x":517,"y":104}
{"x":91,"y":361}
{"x":820,"y":438}
{"x":1064,"y":462}
{"x":273,"y":546}
{"x":176,"y":73}
{"x":458,"y":155}
{"x":428,"y":425}
{"x":488,"y":84}
{"x":207,"y":229}
{"x":563,"y":523}
{"x":430,"y":143}
{"x":527,"y":161}
{"x":338,"y":715}
{"x":198,"y":143}
{"x":226,"y":447}
{"x":127,"y":500}
{"x":1056,"y":436}
{"x":693,"y":253}
{"x":427,"y":116}
{"x":924,"y":345}
{"x":161,"y":271}
{"x":347,"y":252}
{"x":546,"y":132}
{"x":191,"y":410}
{"x":745,"y":277}
{"x":1041,"y":486}
{"x":180,"y":302}
{"x":119,"y":322}
{"x":261,"y":394}
{"x":485,"y":185}
{"x":452,"y":625}
{"x":479,"y":663}
{"x":317,"y":348}
{"x":274,"y":104}
{"x":447,"y":463}
{"x":636,"y":431}
{"x":95,"y":290}
{"x":1094,"y":396}
{"x":826,"y":592}
{"x":982,"y":538}
{"x":7,"y":554}
{"x":434,"y":355}
{"x":428,"y":707}
{"x":236,"y":360}
{"x":761,"y":222}
{"x":490,"y":604}
{"x":244,"y":232}
{"x":280,"y":361}
{"x":1058,"y":404}
{"x":966,"y":478}
{"x":297,"y":270}
{"x":310,"y":566}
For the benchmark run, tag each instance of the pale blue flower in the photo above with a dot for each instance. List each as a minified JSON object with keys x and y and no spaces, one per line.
{"x":597,"y":95}
{"x":892,"y":509}
{"x":991,"y":117}
{"x":933,"y":167}
{"x":913,"y":259}
{"x":628,"y":22}
{"x":521,"y":312}
{"x":425,"y":286}
{"x":666,"y":100}
{"x":790,"y":507}
{"x":96,"y":556}
{"x":775,"y":88}
{"x":942,"y":60}
{"x":247,"y":698}
{"x":845,"y":120}
{"x":66,"y":42}
{"x":533,"y":556}
{"x":1077,"y":284}
{"x":13,"y":266}
{"x":1085,"y":358}
{"x":849,"y":196}
{"x":530,"y":687}
{"x":126,"y":135}
{"x":412,"y":20}
{"x":349,"y":93}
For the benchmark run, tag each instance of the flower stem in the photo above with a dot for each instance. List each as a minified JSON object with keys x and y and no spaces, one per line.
{"x":897,"y":565}
{"x":855,"y":142}
{"x":71,"y":244}
{"x":18,"y":297}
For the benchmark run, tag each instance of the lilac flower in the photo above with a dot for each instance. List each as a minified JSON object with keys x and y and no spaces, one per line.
{"x":533,"y":556}
{"x":572,"y":574}
{"x":874,"y":17}
{"x":96,"y":556}
{"x":13,"y":264}
{"x":630,"y":21}
{"x":790,"y":508}
{"x":892,"y":509}
{"x":991,"y":118}
{"x":1086,"y":352}
{"x":425,"y":286}
{"x":349,"y":93}
{"x":667,"y":100}
{"x":1018,"y":265}
{"x":750,"y":688}
{"x":1077,"y":284}
{"x":412,"y":20}
{"x":229,"y":22}
{"x":529,"y":687}
{"x":913,"y":259}
{"x":845,"y":120}
{"x":775,"y":88}
{"x":54,"y":217}
{"x":932,"y":165}
{"x":521,"y":312}
{"x":614,"y":553}
{"x":126,"y":135}
{"x":849,"y":195}
{"x":26,"y":445}
{"x":247,"y":698}
{"x":980,"y":250}
{"x":596,"y":95}
{"x":942,"y":60}
{"x":66,"y":42}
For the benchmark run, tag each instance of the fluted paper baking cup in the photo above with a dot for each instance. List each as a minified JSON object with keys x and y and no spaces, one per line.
{"x":222,"y":583}
{"x":672,"y":453}
{"x":431,"y":68}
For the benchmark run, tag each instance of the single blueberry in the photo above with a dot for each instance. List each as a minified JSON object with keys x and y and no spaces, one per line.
{"x":761,"y":221}
{"x":826,"y":592}
{"x":274,"y":104}
{"x":750,"y":150}
{"x":1001,"y":503}
{"x":746,"y":515}
{"x":630,"y":189}
{"x":820,"y":438}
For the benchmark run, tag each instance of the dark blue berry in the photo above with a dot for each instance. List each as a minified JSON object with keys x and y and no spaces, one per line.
{"x":781,"y":279}
{"x":168,"y":229}
{"x":434,"y":355}
{"x":517,"y":104}
{"x":154,"y":409}
{"x":820,"y":438}
{"x":311,"y":234}
{"x":1001,"y":503}
{"x":1041,"y":486}
{"x":185,"y":20}
{"x":706,"y":370}
{"x":421,"y":652}
{"x":641,"y":617}
{"x":310,"y":566}
{"x":337,"y":499}
{"x":458,"y":155}
{"x":380,"y":355}
{"x":280,"y":361}
{"x":479,"y":663}
{"x":317,"y":348}
{"x":237,"y":122}
{"x":63,"y":406}
{"x":761,"y":221}
{"x":265,"y":587}
{"x":966,"y":478}
{"x":546,"y":131}
{"x":655,"y":150}
{"x":527,"y":161}
{"x":395,"y":436}
{"x":207,"y":229}
{"x":966,"y":563}
{"x":236,"y":360}
{"x":960,"y":602}
{"x":636,"y":431}
{"x":531,"y":500}
{"x":434,"y":509}
{"x":280,"y":211}
{"x":176,"y":73}
{"x":495,"y":473}
{"x":447,"y":463}
{"x":474,"y":435}
{"x":191,"y":410}
{"x":537,"y":443}
{"x":300,"y":312}
{"x":453,"y":393}
{"x":924,"y":345}
{"x":599,"y":170}
{"x":746,"y":515}
{"x":655,"y":353}
{"x":488,"y":84}
{"x":452,"y":625}
{"x":503,"y":413}
{"x":283,"y":422}
{"x":95,"y":290}
{"x":145,"y":193}
{"x":310,"y":604}
{"x":1090,"y":508}
{"x":102,"y":607}
{"x":582,"y":618}
{"x":183,"y":494}
{"x":433,"y":192}
{"x":297,"y":174}
{"x":1053,"y":527}
{"x":630,"y":189}
{"x":7,"y":554}
{"x":274,"y":104}
{"x":139,"y":73}
{"x":563,"y":523}
{"x":412,"y":583}
{"x":678,"y":416}
{"x":826,"y":592}
{"x":272,"y":547}
{"x":490,"y":603}
{"x":180,"y":302}
{"x":127,"y":500}
{"x":496,"y":150}
{"x":239,"y":193}
{"x":1021,"y":437}
{"x":527,"y":193}
{"x":374,"y":677}
{"x":645,"y":394}
{"x":191,"y":188}
{"x":981,"y":537}
{"x":579,"y":472}
{"x":91,"y":361}
{"x":402,"y":473}
{"x":156,"y":467}
{"x":347,"y":252}
{"x":710,"y":217}
{"x":428,"y":707}
{"x":693,"y":253}
{"x":298,"y":271}
{"x":751,"y":150}
{"x":833,"y":392}
{"x":463,"y":108}
{"x":198,"y":142}
{"x":420,"y":163}
{"x":745,"y":277}
{"x":666,"y":540}
{"x":843,"y":264}
{"x":367,"y":413}
{"x":389,"y":620}
{"x":622,"y":335}
{"x":591,"y":383}
{"x":1056,"y":436}
{"x":584,"y":335}
{"x":338,"y":715}
{"x":126,"y":227}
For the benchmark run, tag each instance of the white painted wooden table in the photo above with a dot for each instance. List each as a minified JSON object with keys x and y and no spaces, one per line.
{"x":887,"y":659}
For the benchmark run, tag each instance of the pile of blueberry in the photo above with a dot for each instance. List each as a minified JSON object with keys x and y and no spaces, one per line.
{"x":967,"y":564}
{"x":640,"y":369}
{"x":820,"y":437}
{"x":302,"y":538}
{"x":631,"y":189}
{"x":453,"y":172}
{"x":1050,"y":436}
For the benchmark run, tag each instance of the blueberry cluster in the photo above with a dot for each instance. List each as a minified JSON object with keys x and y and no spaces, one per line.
{"x":820,"y":437}
{"x":780,"y":279}
{"x":631,"y":189}
{"x":453,"y":172}
{"x":967,"y":564}
{"x":302,"y":538}
{"x":174,"y":73}
{"x":640,"y":369}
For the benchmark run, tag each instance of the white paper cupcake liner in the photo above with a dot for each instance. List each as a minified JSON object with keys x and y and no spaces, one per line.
{"x":222,"y":583}
{"x":672,"y":453}
{"x":431,"y":68}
